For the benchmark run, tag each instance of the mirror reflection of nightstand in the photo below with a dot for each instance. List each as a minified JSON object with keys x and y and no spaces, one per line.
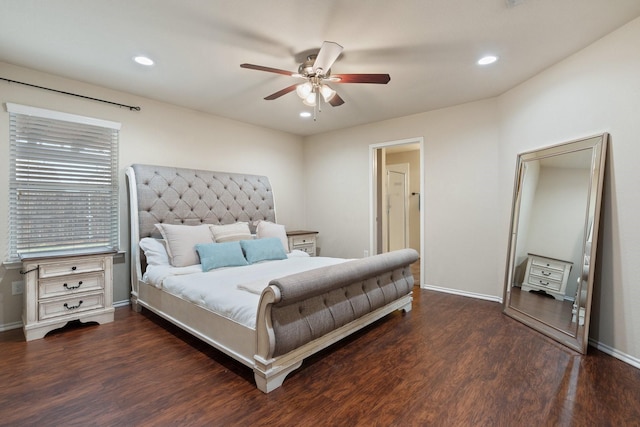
{"x":546,"y":274}
{"x":302,"y":240}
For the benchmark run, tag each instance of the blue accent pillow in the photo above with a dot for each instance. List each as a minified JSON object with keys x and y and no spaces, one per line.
{"x":216,"y":255}
{"x":266,"y":249}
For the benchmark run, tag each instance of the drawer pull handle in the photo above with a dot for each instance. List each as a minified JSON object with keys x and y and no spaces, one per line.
{"x":29,"y":271}
{"x":74,"y":268}
{"x":544,"y":273}
{"x":72,"y":307}
{"x":73,"y":287}
{"x":544,"y":283}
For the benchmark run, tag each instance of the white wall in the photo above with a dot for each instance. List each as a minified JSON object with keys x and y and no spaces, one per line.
{"x":461,"y":175}
{"x":470,"y":157}
{"x":159,"y":134}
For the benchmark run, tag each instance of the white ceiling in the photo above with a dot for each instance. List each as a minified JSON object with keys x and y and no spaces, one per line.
{"x":429,"y":47}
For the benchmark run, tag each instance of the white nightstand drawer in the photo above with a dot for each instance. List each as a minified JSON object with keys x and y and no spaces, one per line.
{"x":544,"y":282}
{"x":75,"y":266}
{"x":70,"y":305}
{"x":547,"y":273}
{"x":548,"y":264}
{"x":65,"y":285}
{"x":303,"y":240}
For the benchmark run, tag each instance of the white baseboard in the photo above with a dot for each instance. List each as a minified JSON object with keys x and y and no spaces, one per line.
{"x":633,"y":361}
{"x":463,"y":293}
{"x":9,"y":326}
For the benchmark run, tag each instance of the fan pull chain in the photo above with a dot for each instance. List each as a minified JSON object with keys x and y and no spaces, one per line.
{"x":316,"y":108}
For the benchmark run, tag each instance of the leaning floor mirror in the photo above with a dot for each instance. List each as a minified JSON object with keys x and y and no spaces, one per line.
{"x":553,"y":238}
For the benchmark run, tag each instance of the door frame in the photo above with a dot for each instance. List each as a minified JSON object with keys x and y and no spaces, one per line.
{"x":374,"y":171}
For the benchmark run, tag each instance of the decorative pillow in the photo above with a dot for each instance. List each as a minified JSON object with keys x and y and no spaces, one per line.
{"x":297,"y":253}
{"x":216,"y":255}
{"x":269,"y":229}
{"x":230,"y":232}
{"x":182,"y":240}
{"x":154,"y":251}
{"x":263,"y":249}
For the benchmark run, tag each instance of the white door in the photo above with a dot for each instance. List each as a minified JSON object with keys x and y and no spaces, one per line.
{"x":397,"y":206}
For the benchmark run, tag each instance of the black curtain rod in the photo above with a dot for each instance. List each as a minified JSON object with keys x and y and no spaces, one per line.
{"x":130,"y":107}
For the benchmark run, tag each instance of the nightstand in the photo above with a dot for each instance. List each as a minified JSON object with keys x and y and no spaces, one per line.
{"x":58,"y":290}
{"x":302,"y":240}
{"x":547,"y":274}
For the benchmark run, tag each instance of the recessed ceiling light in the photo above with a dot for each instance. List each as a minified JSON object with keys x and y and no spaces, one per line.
{"x":305,"y":114}
{"x":143,"y":60}
{"x":486,"y":60}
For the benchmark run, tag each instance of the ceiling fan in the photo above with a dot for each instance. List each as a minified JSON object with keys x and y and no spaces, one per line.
{"x":316,"y":73}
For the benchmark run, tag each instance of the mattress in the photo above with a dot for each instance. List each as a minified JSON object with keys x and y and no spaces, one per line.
{"x":232,"y":292}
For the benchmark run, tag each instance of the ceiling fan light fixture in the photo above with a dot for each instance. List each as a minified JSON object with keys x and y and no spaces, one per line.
{"x":327,"y":93}
{"x":310,"y":100}
{"x":304,"y":89}
{"x":315,"y":73}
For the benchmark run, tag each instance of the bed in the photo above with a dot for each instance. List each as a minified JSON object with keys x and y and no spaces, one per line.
{"x":269,"y":314}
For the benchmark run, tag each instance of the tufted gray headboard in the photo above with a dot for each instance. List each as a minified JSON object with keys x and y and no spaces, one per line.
{"x":161,"y":194}
{"x":192,"y":197}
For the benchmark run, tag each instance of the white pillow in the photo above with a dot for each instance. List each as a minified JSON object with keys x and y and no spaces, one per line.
{"x":266,"y":229}
{"x":154,"y":251}
{"x":182,"y":240}
{"x":297,"y":253}
{"x":230,"y":232}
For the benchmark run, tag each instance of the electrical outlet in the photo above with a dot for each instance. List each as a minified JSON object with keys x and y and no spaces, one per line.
{"x":366,"y":253}
{"x":17,"y":287}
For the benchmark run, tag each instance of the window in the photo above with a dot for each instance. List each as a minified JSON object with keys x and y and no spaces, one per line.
{"x":63,"y":184}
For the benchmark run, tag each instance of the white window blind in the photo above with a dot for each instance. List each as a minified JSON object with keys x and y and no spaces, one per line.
{"x":63,"y":195}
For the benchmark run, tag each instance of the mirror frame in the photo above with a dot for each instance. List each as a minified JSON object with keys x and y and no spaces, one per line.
{"x":598,"y":143}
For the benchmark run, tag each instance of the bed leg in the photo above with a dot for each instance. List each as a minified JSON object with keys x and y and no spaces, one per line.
{"x":134,"y":304}
{"x":267,"y":380}
{"x":407,"y":307}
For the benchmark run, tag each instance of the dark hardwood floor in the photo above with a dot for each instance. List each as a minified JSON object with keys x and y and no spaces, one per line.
{"x":452,"y":361}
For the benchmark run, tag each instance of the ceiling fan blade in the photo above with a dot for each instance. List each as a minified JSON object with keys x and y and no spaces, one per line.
{"x":279,"y":93}
{"x":362,"y":78}
{"x":268,"y":69}
{"x":336,"y":101}
{"x":328,"y":54}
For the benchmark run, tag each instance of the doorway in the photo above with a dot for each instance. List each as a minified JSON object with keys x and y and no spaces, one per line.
{"x":396,"y":204}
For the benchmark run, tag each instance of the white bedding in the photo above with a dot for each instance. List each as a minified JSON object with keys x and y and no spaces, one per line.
{"x":233,"y":292}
